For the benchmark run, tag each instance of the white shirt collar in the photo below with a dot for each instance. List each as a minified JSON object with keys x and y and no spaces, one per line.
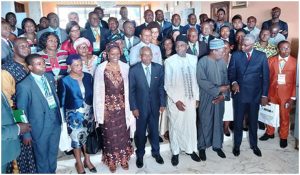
{"x":36,"y":76}
{"x":285,"y":58}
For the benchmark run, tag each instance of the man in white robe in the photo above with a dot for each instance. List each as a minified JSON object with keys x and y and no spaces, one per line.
{"x":183,"y":98}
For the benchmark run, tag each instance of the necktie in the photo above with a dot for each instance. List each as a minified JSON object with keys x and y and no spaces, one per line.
{"x":129,"y":44}
{"x":45,"y":87}
{"x":97,"y":36}
{"x":194,"y":49}
{"x":9,"y":44}
{"x":148,"y":75}
{"x":248,"y":56}
{"x":204,"y":39}
{"x":281,"y":63}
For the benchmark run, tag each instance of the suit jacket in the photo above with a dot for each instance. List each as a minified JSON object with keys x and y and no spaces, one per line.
{"x":10,"y":142}
{"x":168,"y":31}
{"x":283,"y":91}
{"x":31,"y":99}
{"x":139,"y":29}
{"x":69,"y":92}
{"x":142,"y":97}
{"x":166,"y":24}
{"x":187,"y":27}
{"x":203,"y":49}
{"x":63,"y":33}
{"x":102,"y":22}
{"x":6,"y":52}
{"x":136,"y":40}
{"x":252,"y":76}
{"x":104,"y":33}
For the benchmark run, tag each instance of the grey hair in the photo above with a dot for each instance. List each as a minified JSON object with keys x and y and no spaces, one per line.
{"x":249,"y":37}
{"x":73,"y":13}
{"x":145,"y":47}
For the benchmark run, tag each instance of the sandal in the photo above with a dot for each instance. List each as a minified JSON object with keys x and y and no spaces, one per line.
{"x":125,"y":166}
{"x":112,"y":167}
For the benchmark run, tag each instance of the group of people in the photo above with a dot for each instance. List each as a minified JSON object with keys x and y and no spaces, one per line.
{"x":139,"y":82}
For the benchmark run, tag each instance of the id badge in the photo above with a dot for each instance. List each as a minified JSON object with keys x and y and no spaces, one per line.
{"x":96,"y":46}
{"x":281,"y":79}
{"x":51,"y":102}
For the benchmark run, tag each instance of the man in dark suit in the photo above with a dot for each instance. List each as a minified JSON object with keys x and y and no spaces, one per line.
{"x":248,"y":73}
{"x":197,"y":48}
{"x":36,"y":95}
{"x":10,"y":143}
{"x":100,"y":12}
{"x":129,"y":38}
{"x":11,"y":18}
{"x":176,"y":20}
{"x":192,"y":23}
{"x":160,"y":19}
{"x":96,"y":34}
{"x":205,"y":34}
{"x":147,"y":100}
{"x":54,"y":27}
{"x":148,"y":16}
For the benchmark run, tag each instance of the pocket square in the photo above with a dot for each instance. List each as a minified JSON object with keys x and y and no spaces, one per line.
{"x":155,"y":77}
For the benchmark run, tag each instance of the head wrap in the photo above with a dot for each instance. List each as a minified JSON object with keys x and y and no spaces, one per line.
{"x":80,"y":41}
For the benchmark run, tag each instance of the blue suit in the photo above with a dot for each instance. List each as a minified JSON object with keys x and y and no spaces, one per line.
{"x":104,"y":33}
{"x":45,"y":122}
{"x":166,"y":24}
{"x":168,"y":31}
{"x":147,"y":100}
{"x":10,"y":142}
{"x":253,"y":79}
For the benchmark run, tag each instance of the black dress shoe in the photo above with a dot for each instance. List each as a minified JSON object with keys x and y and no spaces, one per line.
{"x":220,"y":152}
{"x":158,"y":159}
{"x":245,"y":129}
{"x":202,"y":154}
{"x":175,"y":160}
{"x":266,"y":137}
{"x":160,"y":139}
{"x":195,"y":157}
{"x":283,"y":143}
{"x":139,"y":163}
{"x":256,"y":151}
{"x":92,"y":170}
{"x":236,"y":151}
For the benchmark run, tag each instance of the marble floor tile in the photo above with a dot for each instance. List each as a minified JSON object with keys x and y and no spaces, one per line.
{"x":274,"y":160}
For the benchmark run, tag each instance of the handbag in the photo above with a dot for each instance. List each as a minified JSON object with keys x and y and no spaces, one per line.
{"x":65,"y":140}
{"x":269,"y":114}
{"x":94,"y":141}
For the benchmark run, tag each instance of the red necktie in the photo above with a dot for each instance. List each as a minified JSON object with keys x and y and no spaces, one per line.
{"x":248,"y":56}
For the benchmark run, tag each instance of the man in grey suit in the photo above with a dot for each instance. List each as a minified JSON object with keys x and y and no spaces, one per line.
{"x":129,"y":38}
{"x":36,"y":95}
{"x":6,"y":45}
{"x":10,"y":144}
{"x":147,"y":100}
{"x":54,"y":27}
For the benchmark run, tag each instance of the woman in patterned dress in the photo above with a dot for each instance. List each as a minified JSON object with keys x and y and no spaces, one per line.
{"x":75,"y":92}
{"x":112,"y":112}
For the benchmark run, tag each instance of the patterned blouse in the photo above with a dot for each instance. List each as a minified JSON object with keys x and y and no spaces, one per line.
{"x":270,"y":49}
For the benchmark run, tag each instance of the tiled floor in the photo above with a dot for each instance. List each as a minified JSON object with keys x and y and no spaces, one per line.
{"x":274,"y":160}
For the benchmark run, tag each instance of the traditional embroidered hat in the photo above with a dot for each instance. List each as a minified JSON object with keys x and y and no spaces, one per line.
{"x":182,"y":38}
{"x":216,"y":44}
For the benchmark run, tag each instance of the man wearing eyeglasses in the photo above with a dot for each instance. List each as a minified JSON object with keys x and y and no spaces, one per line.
{"x":248,"y":73}
{"x":282,"y":89}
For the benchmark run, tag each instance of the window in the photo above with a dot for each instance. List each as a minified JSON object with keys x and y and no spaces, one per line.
{"x":134,"y":13}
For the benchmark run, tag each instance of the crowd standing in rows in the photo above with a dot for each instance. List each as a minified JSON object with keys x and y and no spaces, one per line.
{"x":192,"y":84}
